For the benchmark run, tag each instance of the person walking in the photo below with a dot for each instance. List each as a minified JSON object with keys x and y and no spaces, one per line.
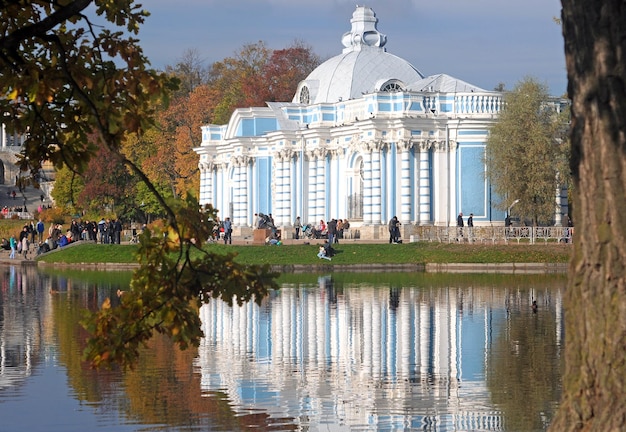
{"x":298,"y":227}
{"x":228,"y":231}
{"x":460,"y":224}
{"x":470,"y":226}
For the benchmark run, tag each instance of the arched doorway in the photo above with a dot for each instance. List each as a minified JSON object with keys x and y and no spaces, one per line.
{"x":355,"y":191}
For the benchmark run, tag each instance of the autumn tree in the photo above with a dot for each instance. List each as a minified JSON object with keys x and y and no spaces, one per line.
{"x":191,"y":72}
{"x":594,"y":385}
{"x":257,"y":74}
{"x":66,"y":77}
{"x":108,"y":185}
{"x":254,"y":76}
{"x":67,"y":187}
{"x":174,"y":163}
{"x":527,"y":152}
{"x":284,"y":71}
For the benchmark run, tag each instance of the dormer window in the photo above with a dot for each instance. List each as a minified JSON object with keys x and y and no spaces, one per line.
{"x":305,"y":98}
{"x":391,"y":87}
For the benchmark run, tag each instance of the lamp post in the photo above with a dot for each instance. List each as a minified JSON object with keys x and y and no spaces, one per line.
{"x":508,"y":213}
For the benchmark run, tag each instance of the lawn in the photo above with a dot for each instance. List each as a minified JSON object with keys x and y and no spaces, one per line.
{"x":352,"y":253}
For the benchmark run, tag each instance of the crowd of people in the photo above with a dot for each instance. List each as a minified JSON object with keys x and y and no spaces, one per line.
{"x":106,"y":231}
{"x":333,"y":230}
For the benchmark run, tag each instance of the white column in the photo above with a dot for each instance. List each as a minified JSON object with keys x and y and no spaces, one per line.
{"x":240,"y":205}
{"x":206,"y":183}
{"x":405,"y":181}
{"x":203,"y":184}
{"x":281,"y":185}
{"x":376,"y":185}
{"x":219,"y":185}
{"x":297,"y":181}
{"x":288,"y":186}
{"x":424,"y":190}
{"x":237,"y":212}
{"x":320,"y":202}
{"x":312,"y":207}
{"x":367,"y":186}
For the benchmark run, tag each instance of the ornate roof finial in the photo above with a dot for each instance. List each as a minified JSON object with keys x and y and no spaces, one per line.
{"x":364,"y":31}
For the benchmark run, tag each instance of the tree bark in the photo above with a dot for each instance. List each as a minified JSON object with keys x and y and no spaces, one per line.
{"x":594,"y":383}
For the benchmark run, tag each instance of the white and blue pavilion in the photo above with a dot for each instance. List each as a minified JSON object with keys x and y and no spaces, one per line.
{"x":366,"y":137}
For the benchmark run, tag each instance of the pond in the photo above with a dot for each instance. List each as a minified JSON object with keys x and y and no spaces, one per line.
{"x":340,"y":352}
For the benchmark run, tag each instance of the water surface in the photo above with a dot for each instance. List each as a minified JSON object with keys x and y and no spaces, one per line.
{"x":365,"y":352}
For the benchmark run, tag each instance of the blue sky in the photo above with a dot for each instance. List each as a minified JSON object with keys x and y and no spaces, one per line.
{"x":483,"y":42}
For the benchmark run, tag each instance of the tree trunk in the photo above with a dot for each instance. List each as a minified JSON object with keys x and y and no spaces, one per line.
{"x":594,"y":383}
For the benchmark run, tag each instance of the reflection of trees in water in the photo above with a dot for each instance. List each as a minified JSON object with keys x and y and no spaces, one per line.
{"x":162,"y":389}
{"x":524,"y":371}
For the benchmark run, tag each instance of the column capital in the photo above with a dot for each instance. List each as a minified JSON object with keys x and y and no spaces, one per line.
{"x":404,"y":145}
{"x":424,"y":146}
{"x":240,"y":161}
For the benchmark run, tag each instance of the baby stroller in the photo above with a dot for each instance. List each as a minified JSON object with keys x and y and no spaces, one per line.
{"x":308,"y":231}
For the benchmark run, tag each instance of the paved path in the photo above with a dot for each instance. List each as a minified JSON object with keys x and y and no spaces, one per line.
{"x":31,"y":197}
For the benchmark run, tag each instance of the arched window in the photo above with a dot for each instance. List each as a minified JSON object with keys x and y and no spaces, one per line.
{"x":305,"y":98}
{"x":391,"y":87}
{"x":355,"y":199}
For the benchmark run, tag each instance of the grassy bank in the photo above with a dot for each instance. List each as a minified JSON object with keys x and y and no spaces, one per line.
{"x":352,"y":253}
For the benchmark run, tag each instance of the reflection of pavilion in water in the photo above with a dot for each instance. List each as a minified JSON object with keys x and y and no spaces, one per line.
{"x":21,"y":323}
{"x":368,"y":356}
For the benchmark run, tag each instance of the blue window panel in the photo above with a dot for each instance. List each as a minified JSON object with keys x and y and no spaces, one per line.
{"x":245,"y":128}
{"x":216,"y":137}
{"x":472,"y":132}
{"x":265,"y":125}
{"x":328,"y":117}
{"x":415,"y":106}
{"x":472,"y":190}
{"x":264,"y":180}
{"x":416,"y":132}
{"x":447,"y":107}
{"x":384,"y":107}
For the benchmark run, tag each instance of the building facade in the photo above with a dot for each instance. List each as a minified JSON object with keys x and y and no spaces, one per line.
{"x":366,"y":137}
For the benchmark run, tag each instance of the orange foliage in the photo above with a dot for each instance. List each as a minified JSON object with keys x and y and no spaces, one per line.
{"x":253,"y":77}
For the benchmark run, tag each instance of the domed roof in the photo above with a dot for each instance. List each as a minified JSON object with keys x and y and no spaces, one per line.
{"x":364,"y":66}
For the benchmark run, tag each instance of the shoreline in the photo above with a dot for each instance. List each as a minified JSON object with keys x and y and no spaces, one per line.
{"x":461,"y":268}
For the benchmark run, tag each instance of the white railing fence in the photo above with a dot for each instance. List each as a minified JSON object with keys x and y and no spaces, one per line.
{"x":492,"y":234}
